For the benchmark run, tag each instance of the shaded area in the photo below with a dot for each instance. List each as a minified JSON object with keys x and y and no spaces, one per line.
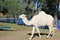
{"x":5,"y":30}
{"x":36,"y":34}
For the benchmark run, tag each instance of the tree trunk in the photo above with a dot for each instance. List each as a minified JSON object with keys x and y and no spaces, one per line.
{"x":56,"y":19}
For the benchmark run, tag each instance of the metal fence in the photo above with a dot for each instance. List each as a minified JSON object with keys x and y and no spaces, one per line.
{"x":20,"y":22}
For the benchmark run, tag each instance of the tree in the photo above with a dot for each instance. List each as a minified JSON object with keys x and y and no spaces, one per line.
{"x":52,"y":8}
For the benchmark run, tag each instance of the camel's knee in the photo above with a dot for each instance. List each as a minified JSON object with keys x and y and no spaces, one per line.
{"x":50,"y":26}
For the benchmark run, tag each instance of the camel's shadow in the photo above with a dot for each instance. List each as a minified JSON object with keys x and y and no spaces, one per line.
{"x":36,"y":34}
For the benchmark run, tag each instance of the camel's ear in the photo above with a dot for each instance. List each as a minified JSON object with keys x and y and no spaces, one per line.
{"x":23,"y":14}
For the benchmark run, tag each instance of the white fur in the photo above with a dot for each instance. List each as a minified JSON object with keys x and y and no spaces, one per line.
{"x":42,"y":19}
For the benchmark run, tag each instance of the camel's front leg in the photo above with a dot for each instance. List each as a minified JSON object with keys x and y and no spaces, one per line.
{"x":38,"y":31}
{"x":32,"y":33}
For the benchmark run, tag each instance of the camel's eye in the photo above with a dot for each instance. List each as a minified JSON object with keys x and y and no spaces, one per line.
{"x":23,"y":16}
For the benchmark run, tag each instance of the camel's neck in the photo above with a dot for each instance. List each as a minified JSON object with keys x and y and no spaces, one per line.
{"x":26,"y":21}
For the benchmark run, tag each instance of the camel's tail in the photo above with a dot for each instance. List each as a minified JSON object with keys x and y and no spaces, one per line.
{"x":55,"y":24}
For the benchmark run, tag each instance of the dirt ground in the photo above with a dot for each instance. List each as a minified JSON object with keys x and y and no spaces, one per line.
{"x":24,"y":35}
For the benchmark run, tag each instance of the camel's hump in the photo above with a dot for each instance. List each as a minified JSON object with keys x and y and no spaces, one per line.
{"x":42,"y":13}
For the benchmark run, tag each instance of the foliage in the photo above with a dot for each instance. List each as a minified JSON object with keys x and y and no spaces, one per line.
{"x":15,"y":7}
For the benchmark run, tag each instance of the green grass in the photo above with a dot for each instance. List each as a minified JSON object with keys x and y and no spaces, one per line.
{"x":23,"y":33}
{"x":16,"y":26}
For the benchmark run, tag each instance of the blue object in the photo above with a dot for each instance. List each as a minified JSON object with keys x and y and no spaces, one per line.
{"x":20,"y":21}
{"x":58,"y":24}
{"x":5,"y":28}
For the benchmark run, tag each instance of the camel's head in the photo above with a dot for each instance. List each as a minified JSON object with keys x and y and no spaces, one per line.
{"x":22,"y":16}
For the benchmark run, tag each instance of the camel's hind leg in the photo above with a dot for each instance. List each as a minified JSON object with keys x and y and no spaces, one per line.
{"x":50,"y":29}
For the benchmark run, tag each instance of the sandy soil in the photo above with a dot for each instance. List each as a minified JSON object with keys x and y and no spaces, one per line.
{"x":22,"y":35}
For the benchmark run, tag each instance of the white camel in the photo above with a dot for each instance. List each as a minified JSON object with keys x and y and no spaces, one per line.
{"x":42,"y":19}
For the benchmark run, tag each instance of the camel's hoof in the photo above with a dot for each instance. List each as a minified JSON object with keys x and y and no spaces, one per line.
{"x":47,"y":37}
{"x":40,"y":37}
{"x":30,"y":38}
